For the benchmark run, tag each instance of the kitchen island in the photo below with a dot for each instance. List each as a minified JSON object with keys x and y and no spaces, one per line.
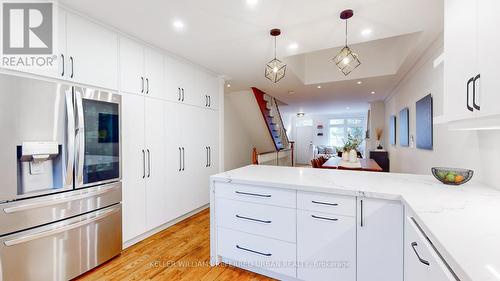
{"x":440,"y":232}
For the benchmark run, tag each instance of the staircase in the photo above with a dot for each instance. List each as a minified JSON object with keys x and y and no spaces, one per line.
{"x":272,"y":117}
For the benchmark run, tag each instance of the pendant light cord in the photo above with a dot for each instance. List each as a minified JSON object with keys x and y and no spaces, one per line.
{"x":346,"y":32}
{"x":275,"y":47}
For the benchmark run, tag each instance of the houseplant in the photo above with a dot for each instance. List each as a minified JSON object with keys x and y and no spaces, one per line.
{"x":349,"y":151}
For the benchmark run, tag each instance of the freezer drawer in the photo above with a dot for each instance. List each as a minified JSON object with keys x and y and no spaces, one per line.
{"x":62,"y":250}
{"x":24,"y":214}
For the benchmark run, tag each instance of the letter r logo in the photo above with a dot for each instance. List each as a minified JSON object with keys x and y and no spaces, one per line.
{"x":27,"y":28}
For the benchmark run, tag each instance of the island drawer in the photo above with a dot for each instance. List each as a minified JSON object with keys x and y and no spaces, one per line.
{"x":270,"y":221}
{"x":256,"y":251}
{"x":327,"y":203}
{"x":256,"y":194}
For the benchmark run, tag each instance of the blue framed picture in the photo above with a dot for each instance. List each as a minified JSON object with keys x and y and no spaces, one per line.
{"x":404,"y":127}
{"x":392,"y":130}
{"x":424,"y":123}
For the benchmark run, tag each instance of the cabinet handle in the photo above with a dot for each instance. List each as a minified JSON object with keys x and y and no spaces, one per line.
{"x":147,"y":85}
{"x":209,"y":156}
{"x":324,"y":203}
{"x":209,"y":101}
{"x":253,"y":194}
{"x":149,"y":163}
{"x":62,"y":58}
{"x":251,"y":219}
{"x":414,"y":245}
{"x":72,"y":69}
{"x":142,"y":84}
{"x":206,"y":100}
{"x":252,"y":251}
{"x":361,"y":213}
{"x":476,"y":106}
{"x":183,"y":159}
{"x":178,"y":94}
{"x":323,"y":218}
{"x":180,"y":159}
{"x":468,"y":94}
{"x":206,"y":154}
{"x":143,"y":164}
{"x":182,"y":89}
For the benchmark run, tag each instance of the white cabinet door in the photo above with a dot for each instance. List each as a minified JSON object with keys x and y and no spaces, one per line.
{"x":173,"y":78}
{"x":195,"y":158}
{"x":213,"y":92}
{"x":326,"y":246}
{"x":178,"y":199}
{"x":488,"y":86}
{"x":211,"y":126}
{"x":92,"y":53}
{"x":208,"y":87}
{"x":156,"y":186}
{"x":131,"y":66}
{"x":153,"y":73}
{"x":460,"y":50}
{"x":380,"y":240}
{"x":421,"y":261}
{"x":134,"y":193}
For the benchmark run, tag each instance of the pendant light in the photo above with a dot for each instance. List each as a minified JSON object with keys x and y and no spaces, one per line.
{"x":275,"y":69}
{"x":346,"y":60}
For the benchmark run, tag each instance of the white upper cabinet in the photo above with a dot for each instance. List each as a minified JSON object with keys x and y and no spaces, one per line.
{"x":154,"y":74}
{"x":131,"y":66}
{"x":141,"y":69}
{"x":380,"y":240}
{"x":92,"y":53}
{"x":488,"y":19}
{"x":460,"y":58}
{"x":208,"y":88}
{"x":174,"y":79}
{"x":471,"y":73}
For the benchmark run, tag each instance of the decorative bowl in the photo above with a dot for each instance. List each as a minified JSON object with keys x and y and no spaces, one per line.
{"x":452,"y":176}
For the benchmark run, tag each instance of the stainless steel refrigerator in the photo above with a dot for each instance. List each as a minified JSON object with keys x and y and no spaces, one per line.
{"x":60,"y":179}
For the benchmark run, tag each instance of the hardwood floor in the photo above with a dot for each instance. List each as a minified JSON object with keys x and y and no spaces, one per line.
{"x":181,"y":252}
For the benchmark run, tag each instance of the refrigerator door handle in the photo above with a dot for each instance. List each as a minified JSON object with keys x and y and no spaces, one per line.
{"x":31,"y":237}
{"x":70,"y":149}
{"x":59,"y":200}
{"x":80,"y":137}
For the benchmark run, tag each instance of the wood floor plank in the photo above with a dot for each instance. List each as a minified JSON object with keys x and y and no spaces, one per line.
{"x":180,"y":252}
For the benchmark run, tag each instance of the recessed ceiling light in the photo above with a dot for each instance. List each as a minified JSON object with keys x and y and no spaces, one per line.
{"x":319,"y":86}
{"x":293,"y":46}
{"x":300,"y":114}
{"x":359,"y":82}
{"x":291,"y":92}
{"x":373,"y":93}
{"x":178,"y":24}
{"x":252,"y":2}
{"x":366,"y":32}
{"x":228,"y":85}
{"x":347,"y":108}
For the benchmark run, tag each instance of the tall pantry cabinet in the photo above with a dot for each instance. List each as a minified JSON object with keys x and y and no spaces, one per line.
{"x":170,"y":138}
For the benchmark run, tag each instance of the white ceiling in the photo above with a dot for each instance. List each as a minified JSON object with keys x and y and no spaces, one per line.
{"x":231,"y":38}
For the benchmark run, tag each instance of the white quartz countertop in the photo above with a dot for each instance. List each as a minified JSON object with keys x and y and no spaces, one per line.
{"x":462,"y":222}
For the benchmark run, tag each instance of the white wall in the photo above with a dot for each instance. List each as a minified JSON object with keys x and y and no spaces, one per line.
{"x":474,"y":150}
{"x":238,"y":143}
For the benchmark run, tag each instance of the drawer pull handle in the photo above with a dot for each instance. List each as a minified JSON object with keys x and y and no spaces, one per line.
{"x":250,"y":219}
{"x":324,"y":218}
{"x":324,"y":203}
{"x":252,"y":251}
{"x":413,"y":245}
{"x":253,"y":194}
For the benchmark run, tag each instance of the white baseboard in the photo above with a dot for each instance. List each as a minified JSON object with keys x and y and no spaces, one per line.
{"x":162,"y":227}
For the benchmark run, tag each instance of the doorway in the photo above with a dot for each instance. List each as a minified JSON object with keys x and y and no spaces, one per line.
{"x":304,"y":145}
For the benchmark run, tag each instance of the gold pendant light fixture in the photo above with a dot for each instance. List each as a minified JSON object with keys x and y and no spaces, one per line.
{"x":346,"y":60}
{"x":275,"y":69}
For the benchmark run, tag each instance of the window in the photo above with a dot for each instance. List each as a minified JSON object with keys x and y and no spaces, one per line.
{"x":340,"y":128}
